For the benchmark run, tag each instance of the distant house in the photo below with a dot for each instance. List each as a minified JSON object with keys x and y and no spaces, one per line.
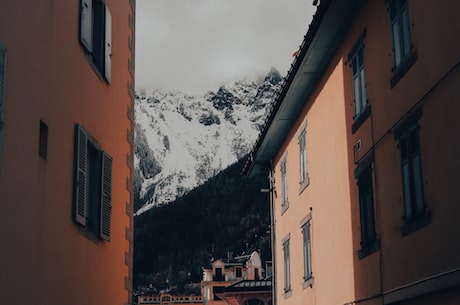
{"x":66,"y":151}
{"x":168,"y":299}
{"x":361,"y":149}
{"x":226,"y":272}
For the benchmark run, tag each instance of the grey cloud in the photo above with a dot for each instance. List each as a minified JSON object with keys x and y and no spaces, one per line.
{"x":195,"y":45}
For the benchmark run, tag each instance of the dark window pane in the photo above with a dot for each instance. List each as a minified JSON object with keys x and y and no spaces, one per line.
{"x":363,"y":88}
{"x":366,"y":206}
{"x":43,"y":141}
{"x":418,"y":185}
{"x":396,"y":43}
{"x":413,"y":142}
{"x":403,"y":149}
{"x":357,"y":94}
{"x":406,"y":31}
{"x":359,"y":57}
{"x":407,"y":190}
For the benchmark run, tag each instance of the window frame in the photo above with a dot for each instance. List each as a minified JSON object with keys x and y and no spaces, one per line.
{"x":415,"y":212}
{"x":364,"y":180}
{"x":358,"y":75}
{"x":356,"y":61}
{"x":219,"y":274}
{"x":400,"y":31}
{"x":95,"y":35}
{"x":284,"y":185}
{"x":304,"y":179}
{"x":287,"y":264}
{"x":92,"y":185}
{"x":238,"y":272}
{"x":305,"y":225}
{"x":404,"y":55}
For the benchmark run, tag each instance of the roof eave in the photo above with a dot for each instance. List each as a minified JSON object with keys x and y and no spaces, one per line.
{"x":325,"y":33}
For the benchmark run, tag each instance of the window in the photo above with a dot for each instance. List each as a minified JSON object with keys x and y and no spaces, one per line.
{"x":218,"y":277}
{"x":366,"y":209}
{"x":408,"y":137}
{"x":306,"y":232}
{"x":43,"y":141}
{"x":239,"y":272}
{"x":403,"y":57}
{"x":2,"y":89}
{"x":93,"y":185}
{"x":96,"y":35}
{"x":411,"y":169}
{"x":362,"y":109}
{"x":287,"y":265}
{"x":284,"y":195}
{"x":359,"y":80}
{"x":302,"y":139}
{"x":400,"y":28}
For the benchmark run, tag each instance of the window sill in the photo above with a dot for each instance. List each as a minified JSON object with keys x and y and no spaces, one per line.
{"x":284,"y":207}
{"x":308,"y":282}
{"x":402,"y":68}
{"x":303,"y":185}
{"x":89,"y":234}
{"x":416,"y":223}
{"x":361,"y":118}
{"x":287,"y":292}
{"x":96,"y":68}
{"x":368,"y":249}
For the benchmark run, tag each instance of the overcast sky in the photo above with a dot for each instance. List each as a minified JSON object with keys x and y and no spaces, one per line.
{"x":197,"y":45}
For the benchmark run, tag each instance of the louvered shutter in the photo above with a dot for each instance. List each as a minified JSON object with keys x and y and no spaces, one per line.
{"x":81,"y":179}
{"x":106,"y":196}
{"x":108,"y":45}
{"x":86,"y":24}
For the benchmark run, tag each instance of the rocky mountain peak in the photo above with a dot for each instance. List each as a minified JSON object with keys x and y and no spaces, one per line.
{"x":182,"y":140}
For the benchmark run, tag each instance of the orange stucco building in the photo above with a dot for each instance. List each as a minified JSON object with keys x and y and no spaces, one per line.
{"x":66,"y":160}
{"x":360,"y":150}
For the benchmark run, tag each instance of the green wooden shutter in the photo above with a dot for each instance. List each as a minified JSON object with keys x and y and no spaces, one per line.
{"x":86,"y":24}
{"x":106,"y":196}
{"x":81,"y":179}
{"x":108,"y":45}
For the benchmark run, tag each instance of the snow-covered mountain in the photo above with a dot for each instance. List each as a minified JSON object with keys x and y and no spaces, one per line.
{"x":182,"y":140}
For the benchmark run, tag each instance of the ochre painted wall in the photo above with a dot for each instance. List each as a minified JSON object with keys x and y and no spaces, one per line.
{"x":326,"y":198}
{"x":46,"y":257}
{"x":431,"y":84}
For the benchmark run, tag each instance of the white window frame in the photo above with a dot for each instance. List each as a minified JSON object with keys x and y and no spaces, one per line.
{"x":284,"y":185}
{"x":287,"y":263}
{"x":304,"y":179}
{"x":307,"y":249}
{"x":358,"y":79}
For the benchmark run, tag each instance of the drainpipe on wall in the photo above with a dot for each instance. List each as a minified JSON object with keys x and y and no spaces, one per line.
{"x":271,"y":191}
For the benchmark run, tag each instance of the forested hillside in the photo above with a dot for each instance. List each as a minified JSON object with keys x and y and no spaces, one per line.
{"x":175,"y":241}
